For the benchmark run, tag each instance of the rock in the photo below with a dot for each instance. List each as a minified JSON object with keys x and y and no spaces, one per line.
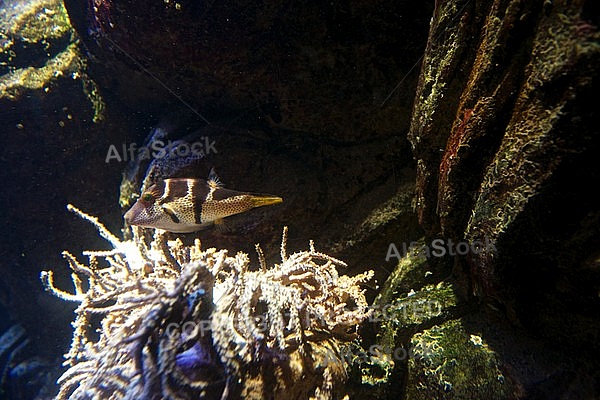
{"x":504,"y":141}
{"x":47,"y":103}
{"x":414,"y":298}
{"x":503,"y":134}
{"x":40,"y":51}
{"x":451,"y":363}
{"x":316,"y":68}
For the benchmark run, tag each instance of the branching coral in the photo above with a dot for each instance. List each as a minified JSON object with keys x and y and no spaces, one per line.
{"x":177,"y":322}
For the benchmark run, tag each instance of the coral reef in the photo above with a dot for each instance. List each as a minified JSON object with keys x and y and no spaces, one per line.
{"x":177,"y":322}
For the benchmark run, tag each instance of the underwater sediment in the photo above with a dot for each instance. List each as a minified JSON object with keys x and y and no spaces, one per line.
{"x":162,"y":320}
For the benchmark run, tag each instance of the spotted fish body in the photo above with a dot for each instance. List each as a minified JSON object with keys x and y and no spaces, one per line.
{"x":184,"y":205}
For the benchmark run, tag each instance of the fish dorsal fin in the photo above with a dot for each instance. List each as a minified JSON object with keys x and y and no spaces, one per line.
{"x":213,"y":179}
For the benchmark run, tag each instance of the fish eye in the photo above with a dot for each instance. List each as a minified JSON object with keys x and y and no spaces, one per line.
{"x":147,"y":197}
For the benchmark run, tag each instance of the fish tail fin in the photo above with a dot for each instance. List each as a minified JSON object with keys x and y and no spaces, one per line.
{"x":259,"y":201}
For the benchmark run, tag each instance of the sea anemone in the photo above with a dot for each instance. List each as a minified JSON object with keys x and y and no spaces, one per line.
{"x":180,"y":322}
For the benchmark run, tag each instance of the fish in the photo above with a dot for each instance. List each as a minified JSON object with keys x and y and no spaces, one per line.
{"x":185,"y":205}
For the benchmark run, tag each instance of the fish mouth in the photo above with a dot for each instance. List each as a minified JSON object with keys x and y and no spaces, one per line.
{"x":131,"y":214}
{"x":128,"y":217}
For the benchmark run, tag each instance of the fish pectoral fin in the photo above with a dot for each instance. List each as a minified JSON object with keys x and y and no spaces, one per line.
{"x":171,"y":213}
{"x":222,"y":227}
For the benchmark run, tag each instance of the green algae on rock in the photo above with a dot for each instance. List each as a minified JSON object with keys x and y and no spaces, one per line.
{"x":458,"y":364}
{"x":414,"y":298}
{"x":39,"y":50}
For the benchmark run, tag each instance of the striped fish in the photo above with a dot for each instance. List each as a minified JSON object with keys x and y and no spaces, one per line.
{"x":184,"y":205}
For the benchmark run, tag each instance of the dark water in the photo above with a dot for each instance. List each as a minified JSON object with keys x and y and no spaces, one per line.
{"x":309,"y":101}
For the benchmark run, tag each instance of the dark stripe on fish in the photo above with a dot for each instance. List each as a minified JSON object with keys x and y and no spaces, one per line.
{"x":171,"y":214}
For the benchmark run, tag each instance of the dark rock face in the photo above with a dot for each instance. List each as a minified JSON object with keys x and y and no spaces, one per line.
{"x":503,"y":135}
{"x":295,"y":64}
